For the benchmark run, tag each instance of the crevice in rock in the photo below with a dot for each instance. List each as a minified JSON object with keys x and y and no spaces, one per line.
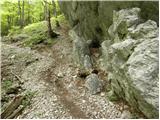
{"x":75,"y":22}
{"x":99,"y":30}
{"x":95,"y":44}
{"x":95,"y":71}
{"x":83,"y":74}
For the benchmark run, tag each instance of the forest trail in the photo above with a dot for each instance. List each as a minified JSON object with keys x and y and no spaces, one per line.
{"x":59,"y":93}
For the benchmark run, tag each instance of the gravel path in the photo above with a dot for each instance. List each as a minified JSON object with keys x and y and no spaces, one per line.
{"x":59,"y":93}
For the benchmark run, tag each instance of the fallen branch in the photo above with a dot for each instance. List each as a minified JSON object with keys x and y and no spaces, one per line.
{"x":16,"y":112}
{"x":19,"y":79}
{"x":13,"y":105}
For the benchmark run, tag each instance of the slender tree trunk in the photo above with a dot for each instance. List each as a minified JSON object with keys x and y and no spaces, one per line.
{"x":29,"y":21}
{"x":55,"y":13}
{"x":8,"y":21}
{"x":50,"y":32}
{"x":45,"y":11}
{"x":23,"y":22}
{"x":19,"y":12}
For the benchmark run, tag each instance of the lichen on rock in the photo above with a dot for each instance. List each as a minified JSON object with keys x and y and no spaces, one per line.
{"x":133,"y":65}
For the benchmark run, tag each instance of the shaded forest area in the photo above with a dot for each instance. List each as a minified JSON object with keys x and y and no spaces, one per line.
{"x":17,"y":14}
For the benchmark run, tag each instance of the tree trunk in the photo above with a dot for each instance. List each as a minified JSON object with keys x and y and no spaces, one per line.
{"x":19,"y":12}
{"x":55,"y":13}
{"x":50,"y":32}
{"x":8,"y":22}
{"x":23,"y":22}
{"x":29,"y":21}
{"x":45,"y":12}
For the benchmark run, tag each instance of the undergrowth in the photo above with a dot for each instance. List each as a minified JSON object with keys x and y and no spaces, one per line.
{"x":36,"y":33}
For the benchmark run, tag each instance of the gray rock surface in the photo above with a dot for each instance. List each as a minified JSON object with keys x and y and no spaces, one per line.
{"x":81,"y":51}
{"x":93,"y":18}
{"x":94,"y":84}
{"x":126,"y":115}
{"x":132,"y":62}
{"x":129,"y":40}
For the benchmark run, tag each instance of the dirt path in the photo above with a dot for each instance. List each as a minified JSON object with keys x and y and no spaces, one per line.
{"x":58,"y":92}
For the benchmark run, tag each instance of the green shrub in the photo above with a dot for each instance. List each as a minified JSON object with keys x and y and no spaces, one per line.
{"x":28,"y":96}
{"x":14,"y":30}
{"x":35,"y":39}
{"x":6,"y":84}
{"x":35,"y":28}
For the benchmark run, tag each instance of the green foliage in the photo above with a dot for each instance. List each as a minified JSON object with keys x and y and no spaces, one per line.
{"x":59,"y":18}
{"x":28,"y":96}
{"x":35,"y":28}
{"x":34,"y":11}
{"x":35,"y":39}
{"x":6,"y":84}
{"x":14,"y":30}
{"x":37,"y":33}
{"x":112,"y":96}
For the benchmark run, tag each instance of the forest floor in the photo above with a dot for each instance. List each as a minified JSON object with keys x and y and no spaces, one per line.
{"x":50,"y":74}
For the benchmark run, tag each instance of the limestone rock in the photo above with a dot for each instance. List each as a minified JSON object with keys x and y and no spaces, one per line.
{"x":148,"y":29}
{"x":81,"y":51}
{"x":87,"y":62}
{"x":98,"y":15}
{"x":126,"y":115}
{"x":143,"y":71}
{"x":132,"y":63}
{"x":129,"y":40}
{"x":94,"y":84}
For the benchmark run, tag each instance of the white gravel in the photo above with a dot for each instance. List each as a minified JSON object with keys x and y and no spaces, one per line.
{"x":58,"y":92}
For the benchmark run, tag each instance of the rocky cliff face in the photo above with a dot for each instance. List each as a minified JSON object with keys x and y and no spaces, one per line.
{"x":129,"y":44}
{"x":131,"y":58}
{"x":92,"y":19}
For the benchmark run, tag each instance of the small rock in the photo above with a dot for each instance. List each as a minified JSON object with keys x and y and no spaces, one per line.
{"x":55,"y":98}
{"x":126,"y":107}
{"x":126,"y":115}
{"x":60,"y":75}
{"x":74,"y":77}
{"x":102,"y":94}
{"x":96,"y":55}
{"x":93,"y":83}
{"x":83,"y":101}
{"x":13,"y":56}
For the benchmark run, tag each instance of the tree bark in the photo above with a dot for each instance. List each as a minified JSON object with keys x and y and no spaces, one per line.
{"x":29,"y":20}
{"x":12,"y":106}
{"x":55,"y":13}
{"x":23,"y":22}
{"x":19,"y":12}
{"x":45,"y":11}
{"x":50,"y":32}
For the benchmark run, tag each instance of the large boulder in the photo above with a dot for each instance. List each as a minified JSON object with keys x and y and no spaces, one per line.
{"x":132,"y":61}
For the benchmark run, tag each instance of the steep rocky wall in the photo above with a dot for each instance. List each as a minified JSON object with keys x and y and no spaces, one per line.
{"x":131,"y":59}
{"x":129,"y":44}
{"x":92,"y":19}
